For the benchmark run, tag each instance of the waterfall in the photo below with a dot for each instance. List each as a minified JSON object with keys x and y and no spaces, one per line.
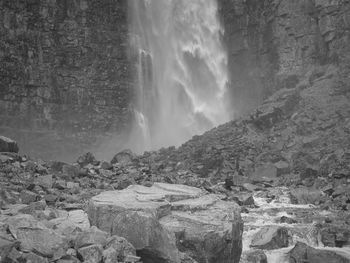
{"x":181,"y":70}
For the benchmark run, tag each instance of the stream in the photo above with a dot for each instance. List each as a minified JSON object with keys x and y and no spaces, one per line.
{"x":269,"y":212}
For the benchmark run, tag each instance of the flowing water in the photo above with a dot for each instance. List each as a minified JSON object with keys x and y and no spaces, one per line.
{"x":269,"y":214}
{"x":181,"y":71}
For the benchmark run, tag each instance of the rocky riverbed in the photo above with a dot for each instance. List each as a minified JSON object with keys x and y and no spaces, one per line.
{"x":283,"y":171}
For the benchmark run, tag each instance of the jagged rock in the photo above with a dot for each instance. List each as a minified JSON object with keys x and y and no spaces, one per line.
{"x":91,"y":254}
{"x":270,"y":237}
{"x":34,"y":236}
{"x":119,"y":249}
{"x":8,"y":145}
{"x":303,"y":253}
{"x":6,"y":247}
{"x":163,"y":219}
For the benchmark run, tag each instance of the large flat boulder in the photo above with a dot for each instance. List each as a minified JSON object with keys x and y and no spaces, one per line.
{"x":167,"y":220}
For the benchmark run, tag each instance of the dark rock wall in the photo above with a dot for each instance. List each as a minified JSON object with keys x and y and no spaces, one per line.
{"x":64,"y":73}
{"x":273,"y":43}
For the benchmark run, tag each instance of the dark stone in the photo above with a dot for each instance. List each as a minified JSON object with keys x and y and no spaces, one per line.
{"x":8,"y":145}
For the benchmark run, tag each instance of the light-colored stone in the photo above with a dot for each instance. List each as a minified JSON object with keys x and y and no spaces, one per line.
{"x":165,"y":218}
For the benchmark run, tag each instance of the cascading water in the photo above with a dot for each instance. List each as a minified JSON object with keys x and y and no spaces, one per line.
{"x":181,"y":71}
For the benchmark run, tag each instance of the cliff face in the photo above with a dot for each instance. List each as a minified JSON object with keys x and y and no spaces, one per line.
{"x":273,"y":44}
{"x":66,"y":77}
{"x":64,"y":71}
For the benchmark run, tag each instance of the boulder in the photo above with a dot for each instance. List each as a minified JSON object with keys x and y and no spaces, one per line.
{"x":303,"y":195}
{"x":8,"y":145}
{"x":255,"y":256}
{"x":270,"y":237}
{"x":163,"y":220}
{"x":123,"y":157}
{"x":91,"y":254}
{"x":119,"y":249}
{"x":90,"y":237}
{"x":303,"y":253}
{"x":34,"y":236}
{"x":87,"y":158}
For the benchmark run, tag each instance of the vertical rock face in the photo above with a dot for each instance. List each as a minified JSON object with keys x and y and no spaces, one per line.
{"x":64,"y":73}
{"x":272,"y":44}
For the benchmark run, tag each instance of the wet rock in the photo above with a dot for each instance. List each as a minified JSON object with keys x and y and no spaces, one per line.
{"x":270,"y":237}
{"x":8,"y":145}
{"x":170,"y":218}
{"x":305,"y":195}
{"x":255,"y":256}
{"x":91,"y":254}
{"x":123,"y":157}
{"x":288,"y":220}
{"x":303,"y":253}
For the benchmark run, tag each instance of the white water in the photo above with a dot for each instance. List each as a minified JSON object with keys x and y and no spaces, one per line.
{"x":182,"y":69}
{"x":269,"y":213}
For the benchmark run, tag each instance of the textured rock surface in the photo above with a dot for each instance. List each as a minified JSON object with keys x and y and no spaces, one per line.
{"x":272,"y":44}
{"x":65,"y":76}
{"x":164,"y":219}
{"x":303,"y":253}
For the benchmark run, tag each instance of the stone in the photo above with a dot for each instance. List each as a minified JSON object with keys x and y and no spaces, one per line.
{"x":118,"y":249}
{"x":34,"y":236}
{"x":288,"y":220}
{"x":270,"y":237}
{"x":165,"y":218}
{"x":303,"y":195}
{"x":264,"y":173}
{"x":87,"y":158}
{"x":91,"y":254}
{"x":303,"y":253}
{"x":45,"y":181}
{"x":255,"y":256}
{"x":123,"y":157}
{"x":28,"y":197}
{"x":6,"y":247}
{"x":71,"y":171}
{"x":8,"y":145}
{"x":34,"y":258}
{"x":106,"y":165}
{"x":282,"y":168}
{"x":90,"y":237}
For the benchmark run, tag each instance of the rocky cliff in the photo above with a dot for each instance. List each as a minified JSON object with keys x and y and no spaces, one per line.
{"x":64,"y":73}
{"x":272,"y":44}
